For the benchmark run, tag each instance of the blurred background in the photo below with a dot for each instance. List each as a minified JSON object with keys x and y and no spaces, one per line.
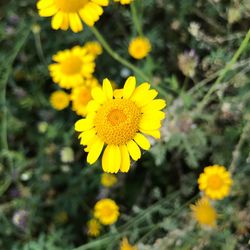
{"x":48,"y":191}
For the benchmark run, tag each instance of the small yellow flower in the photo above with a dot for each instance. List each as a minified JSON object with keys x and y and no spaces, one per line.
{"x":215,"y":181}
{"x":72,"y":67}
{"x":204,"y":213}
{"x":61,"y":217}
{"x":81,"y":95}
{"x":106,"y":211}
{"x":59,"y":100}
{"x":94,"y":228}
{"x":118,"y":120}
{"x":70,"y":14}
{"x":94,"y":48}
{"x":124,"y":1}
{"x":139,"y":47}
{"x":108,"y":180}
{"x":126,"y":246}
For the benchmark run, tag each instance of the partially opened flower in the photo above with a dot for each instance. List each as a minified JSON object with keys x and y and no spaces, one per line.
{"x":94,"y":48}
{"x":204,"y":213}
{"x":215,"y":182}
{"x":70,"y":13}
{"x":106,"y":211}
{"x":125,"y":245}
{"x":124,"y":1}
{"x":119,"y":120}
{"x":94,"y":228}
{"x":59,"y":100}
{"x":139,"y":47}
{"x":81,"y":96}
{"x":72,"y":67}
{"x":108,"y":180}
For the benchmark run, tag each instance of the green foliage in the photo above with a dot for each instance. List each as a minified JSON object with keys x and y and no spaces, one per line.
{"x":208,"y":122}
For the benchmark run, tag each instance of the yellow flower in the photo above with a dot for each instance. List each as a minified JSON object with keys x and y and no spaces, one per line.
{"x":68,"y":14}
{"x":106,"y":211}
{"x":126,"y":246}
{"x":94,"y":228}
{"x":215,"y":182}
{"x":124,"y":1}
{"x":71,"y":67}
{"x":204,"y":213}
{"x":59,"y":100}
{"x":119,"y":119}
{"x":94,"y":48}
{"x":108,"y":180}
{"x":139,"y":47}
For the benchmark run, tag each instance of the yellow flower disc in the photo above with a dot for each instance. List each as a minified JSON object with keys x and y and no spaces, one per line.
{"x":215,"y":182}
{"x":108,"y":180}
{"x":118,"y":120}
{"x":106,"y":211}
{"x":68,"y":14}
{"x":59,"y":100}
{"x":204,"y":213}
{"x":72,"y":67}
{"x":94,"y":228}
{"x":139,"y":47}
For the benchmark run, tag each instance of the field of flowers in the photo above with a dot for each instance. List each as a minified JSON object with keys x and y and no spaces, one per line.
{"x":124,"y":124}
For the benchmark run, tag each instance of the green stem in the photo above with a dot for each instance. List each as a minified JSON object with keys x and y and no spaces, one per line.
{"x":5,"y":71}
{"x":228,"y":67}
{"x":116,"y":56}
{"x":39,"y":48}
{"x":136,"y":19}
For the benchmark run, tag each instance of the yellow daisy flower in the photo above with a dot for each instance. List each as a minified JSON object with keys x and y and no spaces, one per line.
{"x":81,"y":96}
{"x":68,"y":14}
{"x":215,"y":182}
{"x":106,"y":211}
{"x":71,"y":67}
{"x":108,"y":180}
{"x":59,"y":100}
{"x":119,"y":119}
{"x":124,"y":1}
{"x":94,"y":228}
{"x":139,"y":47}
{"x":204,"y":213}
{"x":94,"y":48}
{"x":126,"y":246}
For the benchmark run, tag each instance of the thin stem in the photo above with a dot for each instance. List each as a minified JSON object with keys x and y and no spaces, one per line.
{"x":227,"y":68}
{"x":116,"y":56}
{"x":236,"y":153}
{"x":135,"y":18}
{"x":39,"y":48}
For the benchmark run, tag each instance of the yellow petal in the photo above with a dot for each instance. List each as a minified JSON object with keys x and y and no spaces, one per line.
{"x":111,"y":159}
{"x":125,"y":159}
{"x":98,"y":95}
{"x":50,"y":11}
{"x":154,"y":115}
{"x":142,"y":88}
{"x":57,"y":20}
{"x":95,"y":151}
{"x":87,"y":136}
{"x":129,"y":87}
{"x":107,"y":89}
{"x":83,"y":124}
{"x":145,"y":98}
{"x":146,"y":124}
{"x":101,"y":2}
{"x":155,"y":105}
{"x":142,"y":141}
{"x":75,"y":22}
{"x":154,"y":133}
{"x":92,"y":106}
{"x":42,"y":4}
{"x":134,"y":150}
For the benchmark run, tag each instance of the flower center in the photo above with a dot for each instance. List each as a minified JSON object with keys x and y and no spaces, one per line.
{"x":84,"y":97}
{"x":107,"y":211}
{"x":70,"y":5}
{"x":72,"y":65}
{"x":214,"y":181}
{"x":117,"y":121}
